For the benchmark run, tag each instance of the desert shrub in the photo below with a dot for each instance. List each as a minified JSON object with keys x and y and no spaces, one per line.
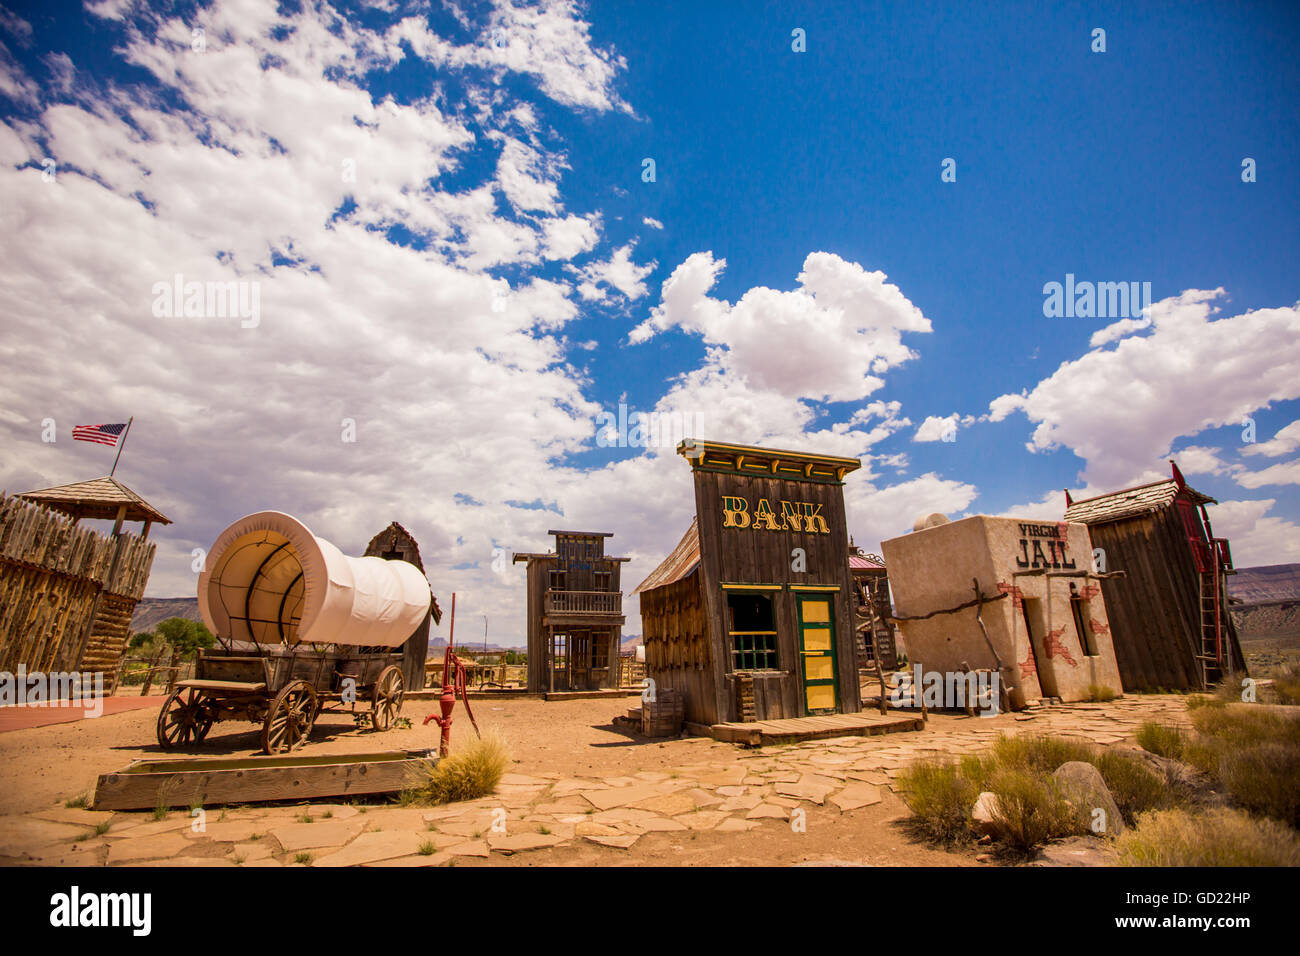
{"x":1100,"y":693}
{"x":1134,"y":786}
{"x":1030,"y":809}
{"x":1287,"y":685}
{"x":472,"y":771}
{"x":1219,"y":837}
{"x":1264,"y":779}
{"x":1040,"y":752}
{"x":1161,"y":740}
{"x":940,"y":797}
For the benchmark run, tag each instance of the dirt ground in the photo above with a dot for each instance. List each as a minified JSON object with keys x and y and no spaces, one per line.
{"x":41,"y":768}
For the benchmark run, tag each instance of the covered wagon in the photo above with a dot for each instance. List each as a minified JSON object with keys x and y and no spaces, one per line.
{"x":300,"y":627}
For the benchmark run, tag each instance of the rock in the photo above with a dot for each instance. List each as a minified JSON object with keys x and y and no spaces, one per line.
{"x":373,"y":847}
{"x":982,"y":814}
{"x":855,"y":796}
{"x":1083,"y":788}
{"x":1076,"y":851}
{"x":311,"y":836}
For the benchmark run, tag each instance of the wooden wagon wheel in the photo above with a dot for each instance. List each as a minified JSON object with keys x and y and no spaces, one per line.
{"x":387,"y":697}
{"x":186,"y":717}
{"x":290,"y":717}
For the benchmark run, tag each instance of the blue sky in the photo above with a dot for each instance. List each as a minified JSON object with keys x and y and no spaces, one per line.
{"x":497,"y":275}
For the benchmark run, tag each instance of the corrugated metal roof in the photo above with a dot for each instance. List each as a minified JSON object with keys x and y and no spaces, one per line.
{"x":1130,"y":502}
{"x":99,"y":498}
{"x":684,"y":559}
{"x":858,"y":562}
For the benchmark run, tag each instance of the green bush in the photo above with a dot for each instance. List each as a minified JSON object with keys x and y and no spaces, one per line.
{"x":471,"y":772}
{"x":1030,"y":809}
{"x":1161,"y":740}
{"x":1040,"y":752}
{"x":1100,"y":693}
{"x":940,"y":796}
{"x":1264,"y":779}
{"x":1135,"y":787}
{"x":1213,"y":838}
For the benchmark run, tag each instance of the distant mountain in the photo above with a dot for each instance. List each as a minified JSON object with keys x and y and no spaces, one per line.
{"x":1266,"y":602}
{"x":440,"y":644}
{"x":630,"y":641}
{"x":151,"y":612}
{"x":1273,"y":582}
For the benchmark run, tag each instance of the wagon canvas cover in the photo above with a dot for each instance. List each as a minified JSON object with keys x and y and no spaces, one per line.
{"x":268,"y":579}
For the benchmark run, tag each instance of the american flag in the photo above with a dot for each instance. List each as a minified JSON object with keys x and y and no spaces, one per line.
{"x":100,"y":434}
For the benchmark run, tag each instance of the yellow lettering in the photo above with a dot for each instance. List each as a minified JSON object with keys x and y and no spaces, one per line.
{"x":764,"y":517}
{"x":735,"y":512}
{"x":813,"y":522}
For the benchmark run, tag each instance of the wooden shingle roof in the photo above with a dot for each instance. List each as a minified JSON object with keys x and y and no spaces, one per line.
{"x":1131,"y":502}
{"x":684,"y":559}
{"x":100,"y":498}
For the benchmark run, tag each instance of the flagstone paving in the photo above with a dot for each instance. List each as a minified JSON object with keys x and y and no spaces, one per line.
{"x":532,"y":813}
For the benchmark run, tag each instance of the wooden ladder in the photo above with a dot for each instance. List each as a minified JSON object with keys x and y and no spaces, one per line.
{"x":1215,"y":656}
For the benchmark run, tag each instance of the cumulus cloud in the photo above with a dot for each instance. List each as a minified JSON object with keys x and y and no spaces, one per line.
{"x":1284,"y":442}
{"x":828,"y":340}
{"x":1117,"y":407}
{"x":619,"y":272}
{"x":264,"y":159}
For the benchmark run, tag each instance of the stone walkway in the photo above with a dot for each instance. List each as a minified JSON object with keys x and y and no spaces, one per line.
{"x":759,"y":787}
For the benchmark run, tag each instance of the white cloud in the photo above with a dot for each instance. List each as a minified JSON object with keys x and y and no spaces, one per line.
{"x":618,"y":272}
{"x":877,"y":514}
{"x":817,"y":342}
{"x":941,"y":428}
{"x":1257,"y":538}
{"x":652,"y":223}
{"x":1116,"y":408}
{"x":1283,"y":473}
{"x":1284,"y":442}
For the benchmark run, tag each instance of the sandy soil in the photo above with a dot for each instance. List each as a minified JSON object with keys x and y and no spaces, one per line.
{"x":46,"y":766}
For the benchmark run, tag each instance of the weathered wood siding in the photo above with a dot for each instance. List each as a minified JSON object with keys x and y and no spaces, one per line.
{"x":750,"y":556}
{"x":55,"y":577}
{"x":1154,"y":610}
{"x":675,"y":633}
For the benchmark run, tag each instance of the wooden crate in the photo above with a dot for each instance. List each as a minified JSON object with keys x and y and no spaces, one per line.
{"x":662,"y":717}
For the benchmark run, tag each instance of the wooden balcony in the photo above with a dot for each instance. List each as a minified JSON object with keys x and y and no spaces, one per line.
{"x":608,"y":603}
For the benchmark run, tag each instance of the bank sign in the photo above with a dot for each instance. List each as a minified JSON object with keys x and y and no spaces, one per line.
{"x":800,"y":516}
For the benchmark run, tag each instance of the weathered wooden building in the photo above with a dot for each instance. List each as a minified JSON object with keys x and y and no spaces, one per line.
{"x":1169,"y":613}
{"x":751,"y":617}
{"x":67,"y":592}
{"x":575,"y":613}
{"x":395,"y":543}
{"x":876,"y":635}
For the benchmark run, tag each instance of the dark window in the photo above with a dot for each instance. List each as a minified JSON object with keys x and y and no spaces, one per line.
{"x":752,"y":629}
{"x":602,"y":580}
{"x":1078,"y":607}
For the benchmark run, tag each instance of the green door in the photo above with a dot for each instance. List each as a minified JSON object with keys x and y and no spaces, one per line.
{"x":817,"y":646}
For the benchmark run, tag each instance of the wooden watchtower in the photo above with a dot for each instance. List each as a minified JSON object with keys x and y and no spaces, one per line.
{"x":575,"y":614}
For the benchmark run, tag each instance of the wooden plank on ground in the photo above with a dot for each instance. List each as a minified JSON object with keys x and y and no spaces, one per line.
{"x":149,"y":784}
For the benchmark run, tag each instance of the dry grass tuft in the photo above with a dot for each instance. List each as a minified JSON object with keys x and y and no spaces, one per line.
{"x":1213,"y":838}
{"x":472,"y":771}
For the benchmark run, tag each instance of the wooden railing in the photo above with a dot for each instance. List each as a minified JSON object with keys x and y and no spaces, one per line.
{"x":583,"y":602}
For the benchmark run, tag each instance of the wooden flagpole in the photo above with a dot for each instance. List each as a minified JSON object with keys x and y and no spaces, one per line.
{"x":121,"y":444}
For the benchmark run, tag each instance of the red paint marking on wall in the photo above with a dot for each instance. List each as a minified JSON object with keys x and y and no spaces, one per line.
{"x":1054,"y":646}
{"x":1017,"y":596}
{"x":1098,"y":627}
